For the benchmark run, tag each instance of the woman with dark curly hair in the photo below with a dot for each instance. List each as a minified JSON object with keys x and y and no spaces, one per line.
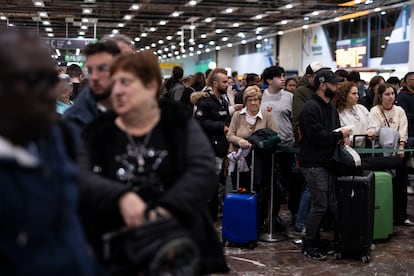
{"x":350,"y":112}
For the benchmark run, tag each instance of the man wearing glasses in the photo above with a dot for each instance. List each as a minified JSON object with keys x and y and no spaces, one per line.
{"x":94,"y":98}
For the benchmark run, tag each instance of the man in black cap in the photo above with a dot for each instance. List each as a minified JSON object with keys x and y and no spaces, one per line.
{"x":317,"y":121}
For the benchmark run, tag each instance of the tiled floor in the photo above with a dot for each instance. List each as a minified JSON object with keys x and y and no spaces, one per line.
{"x":395,"y":257}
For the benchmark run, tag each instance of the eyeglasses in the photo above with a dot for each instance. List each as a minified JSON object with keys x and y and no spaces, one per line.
{"x":103,"y":68}
{"x":353,"y":112}
{"x":253,"y":100}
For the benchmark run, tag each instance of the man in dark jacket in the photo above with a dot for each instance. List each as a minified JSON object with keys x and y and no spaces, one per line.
{"x":303,"y":92}
{"x":317,"y":121}
{"x":94,"y":98}
{"x":212,"y":112}
{"x":405,"y":99}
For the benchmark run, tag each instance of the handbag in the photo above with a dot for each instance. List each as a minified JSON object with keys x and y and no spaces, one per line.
{"x":346,"y":160}
{"x":155,"y":248}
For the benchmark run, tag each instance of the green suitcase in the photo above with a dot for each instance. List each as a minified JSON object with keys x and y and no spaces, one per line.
{"x":383,"y":214}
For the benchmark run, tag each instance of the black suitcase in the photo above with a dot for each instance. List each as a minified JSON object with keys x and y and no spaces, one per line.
{"x":355,"y":196}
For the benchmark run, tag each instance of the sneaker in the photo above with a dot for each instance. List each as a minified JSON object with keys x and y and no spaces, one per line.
{"x":313,"y":253}
{"x":408,"y":222}
{"x":410,"y":190}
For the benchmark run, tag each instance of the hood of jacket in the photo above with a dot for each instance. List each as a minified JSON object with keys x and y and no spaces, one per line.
{"x":17,"y":153}
{"x":196,"y":96}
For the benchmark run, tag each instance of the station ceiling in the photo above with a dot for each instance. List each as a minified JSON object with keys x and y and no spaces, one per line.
{"x":152,"y":23}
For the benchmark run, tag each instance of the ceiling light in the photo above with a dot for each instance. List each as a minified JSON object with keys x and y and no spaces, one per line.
{"x":208,"y":19}
{"x":38,"y":3}
{"x":242,"y":35}
{"x":170,"y":54}
{"x":259,"y":37}
{"x":289,"y":6}
{"x":42,"y":14}
{"x":169,"y":37}
{"x":176,"y":13}
{"x":211,"y":42}
{"x":236,"y":25}
{"x":81,"y":33}
{"x":89,"y":1}
{"x":80,"y":37}
{"x":153,"y":45}
{"x":351,"y":20}
{"x":162,"y":22}
{"x":176,"y":53}
{"x":192,"y":27}
{"x":198,"y":52}
{"x":218,"y":48}
{"x":191,"y":54}
{"x":383,"y":13}
{"x":191,"y":49}
{"x":144,"y":34}
{"x":184,"y":56}
{"x":49,"y":30}
{"x":387,"y":37}
{"x":243,"y":41}
{"x":280,"y":33}
{"x":229,"y":45}
{"x":306,"y":18}
{"x":315,"y":13}
{"x":192,"y":3}
{"x":115,"y":31}
{"x":121,"y":25}
{"x":283,"y":22}
{"x":200,"y":46}
{"x":203,"y":36}
{"x":337,"y":19}
{"x":3,"y":17}
{"x":259,"y":29}
{"x":179,"y":32}
{"x":85,"y":20}
{"x":50,"y":35}
{"x":134,"y":7}
{"x":219,"y":31}
{"x":152,"y":29}
{"x":87,"y":11}
{"x":208,"y":50}
{"x":46,"y":23}
{"x":225,"y":38}
{"x":127,"y":17}
{"x":83,"y":27}
{"x":259,"y":16}
{"x":147,"y":47}
{"x":229,"y":10}
{"x":166,"y":49}
{"x":305,"y":27}
{"x":377,"y":9}
{"x":77,"y":51}
{"x":258,"y":45}
{"x":160,"y":41}
{"x":173,"y":47}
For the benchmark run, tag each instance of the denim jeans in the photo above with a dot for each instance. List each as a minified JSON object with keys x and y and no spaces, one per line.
{"x":303,"y":209}
{"x":320,"y":182}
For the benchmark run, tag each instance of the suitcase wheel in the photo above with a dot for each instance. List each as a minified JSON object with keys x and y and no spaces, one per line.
{"x":251,"y":245}
{"x":337,"y":256}
{"x":365,"y":259}
{"x":372,"y":247}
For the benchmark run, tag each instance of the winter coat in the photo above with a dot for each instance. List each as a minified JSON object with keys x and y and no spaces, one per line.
{"x":40,"y":233}
{"x":184,"y":175}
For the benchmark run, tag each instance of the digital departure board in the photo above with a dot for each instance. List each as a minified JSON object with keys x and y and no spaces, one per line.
{"x":351,"y":53}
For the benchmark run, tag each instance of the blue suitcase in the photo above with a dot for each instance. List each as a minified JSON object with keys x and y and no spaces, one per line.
{"x":239,"y":223}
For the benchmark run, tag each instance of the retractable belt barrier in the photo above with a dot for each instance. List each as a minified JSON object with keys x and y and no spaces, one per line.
{"x":358,"y":150}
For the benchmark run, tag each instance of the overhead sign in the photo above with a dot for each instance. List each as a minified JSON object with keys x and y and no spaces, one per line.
{"x":351,"y":53}
{"x":68,"y":43}
{"x":74,"y":58}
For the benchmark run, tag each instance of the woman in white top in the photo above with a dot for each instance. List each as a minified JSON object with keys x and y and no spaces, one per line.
{"x":351,"y":113}
{"x":386,"y":114}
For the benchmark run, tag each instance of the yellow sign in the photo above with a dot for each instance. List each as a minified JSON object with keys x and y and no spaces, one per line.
{"x":168,"y":65}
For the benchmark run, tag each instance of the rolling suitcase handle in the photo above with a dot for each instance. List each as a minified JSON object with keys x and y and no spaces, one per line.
{"x":251,"y":176}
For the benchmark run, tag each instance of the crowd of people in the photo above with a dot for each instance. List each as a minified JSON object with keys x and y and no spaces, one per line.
{"x":114,"y":146}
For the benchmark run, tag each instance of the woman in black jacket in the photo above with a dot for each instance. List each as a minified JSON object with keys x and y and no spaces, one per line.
{"x":154,"y":157}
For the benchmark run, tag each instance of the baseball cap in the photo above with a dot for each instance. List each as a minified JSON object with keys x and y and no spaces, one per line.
{"x":315,"y":67}
{"x":326,"y":76}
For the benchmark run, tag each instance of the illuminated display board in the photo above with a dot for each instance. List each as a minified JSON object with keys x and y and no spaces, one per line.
{"x":351,"y":53}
